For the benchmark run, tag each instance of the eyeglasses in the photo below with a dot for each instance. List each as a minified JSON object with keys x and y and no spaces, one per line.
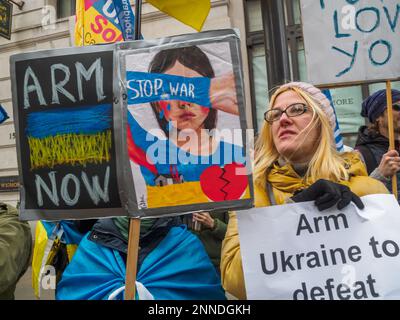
{"x":293,"y":110}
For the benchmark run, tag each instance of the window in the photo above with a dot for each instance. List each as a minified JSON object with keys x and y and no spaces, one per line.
{"x":259,"y":70}
{"x":65,"y":8}
{"x":257,"y":61}
{"x":268,"y":55}
{"x":378,"y":86}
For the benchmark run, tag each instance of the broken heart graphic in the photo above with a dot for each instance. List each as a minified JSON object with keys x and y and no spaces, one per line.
{"x":224,"y":183}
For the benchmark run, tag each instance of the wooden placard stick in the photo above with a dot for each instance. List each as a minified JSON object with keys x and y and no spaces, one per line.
{"x":132,"y":258}
{"x":389,"y":104}
{"x":134,"y":223}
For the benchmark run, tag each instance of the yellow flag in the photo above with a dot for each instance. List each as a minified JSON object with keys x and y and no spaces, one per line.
{"x":94,"y":24}
{"x":80,"y":14}
{"x":190,"y":12}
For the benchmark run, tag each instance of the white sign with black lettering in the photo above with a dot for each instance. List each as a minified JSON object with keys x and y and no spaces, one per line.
{"x":351,"y":41}
{"x":296,"y":252}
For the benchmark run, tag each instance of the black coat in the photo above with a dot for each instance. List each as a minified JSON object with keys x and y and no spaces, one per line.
{"x":372,"y":148}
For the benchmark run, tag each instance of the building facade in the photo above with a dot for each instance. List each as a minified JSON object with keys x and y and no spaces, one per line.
{"x":34,"y":27}
{"x":272,"y":53}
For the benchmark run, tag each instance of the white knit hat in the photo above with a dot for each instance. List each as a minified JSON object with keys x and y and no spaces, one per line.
{"x":318,"y":97}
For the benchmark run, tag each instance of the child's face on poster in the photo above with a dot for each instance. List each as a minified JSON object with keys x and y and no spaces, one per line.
{"x":184,"y":115}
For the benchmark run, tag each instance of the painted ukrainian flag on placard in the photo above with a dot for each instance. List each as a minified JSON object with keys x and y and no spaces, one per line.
{"x":70,"y":136}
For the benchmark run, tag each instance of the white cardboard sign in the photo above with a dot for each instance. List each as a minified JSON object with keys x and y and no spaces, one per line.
{"x":296,"y":252}
{"x":351,"y":41}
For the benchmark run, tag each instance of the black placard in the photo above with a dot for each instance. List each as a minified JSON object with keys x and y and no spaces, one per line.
{"x":65,"y":104}
{"x":5,"y":19}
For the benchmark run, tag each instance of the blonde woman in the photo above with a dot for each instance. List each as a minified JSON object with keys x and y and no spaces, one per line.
{"x":296,"y":160}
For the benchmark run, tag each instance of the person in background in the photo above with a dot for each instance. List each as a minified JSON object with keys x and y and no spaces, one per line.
{"x":172,"y":263}
{"x":15,"y":250}
{"x":15,"y":244}
{"x":210,"y":227}
{"x":296,"y":160}
{"x":373,"y":140}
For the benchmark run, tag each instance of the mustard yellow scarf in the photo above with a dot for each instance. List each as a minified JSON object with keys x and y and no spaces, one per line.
{"x":286,"y":181}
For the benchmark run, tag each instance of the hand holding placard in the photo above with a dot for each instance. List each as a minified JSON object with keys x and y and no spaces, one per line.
{"x":223,"y":94}
{"x":326,"y":194}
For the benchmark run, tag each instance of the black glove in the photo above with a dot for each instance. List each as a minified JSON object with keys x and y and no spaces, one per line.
{"x":326,"y":194}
